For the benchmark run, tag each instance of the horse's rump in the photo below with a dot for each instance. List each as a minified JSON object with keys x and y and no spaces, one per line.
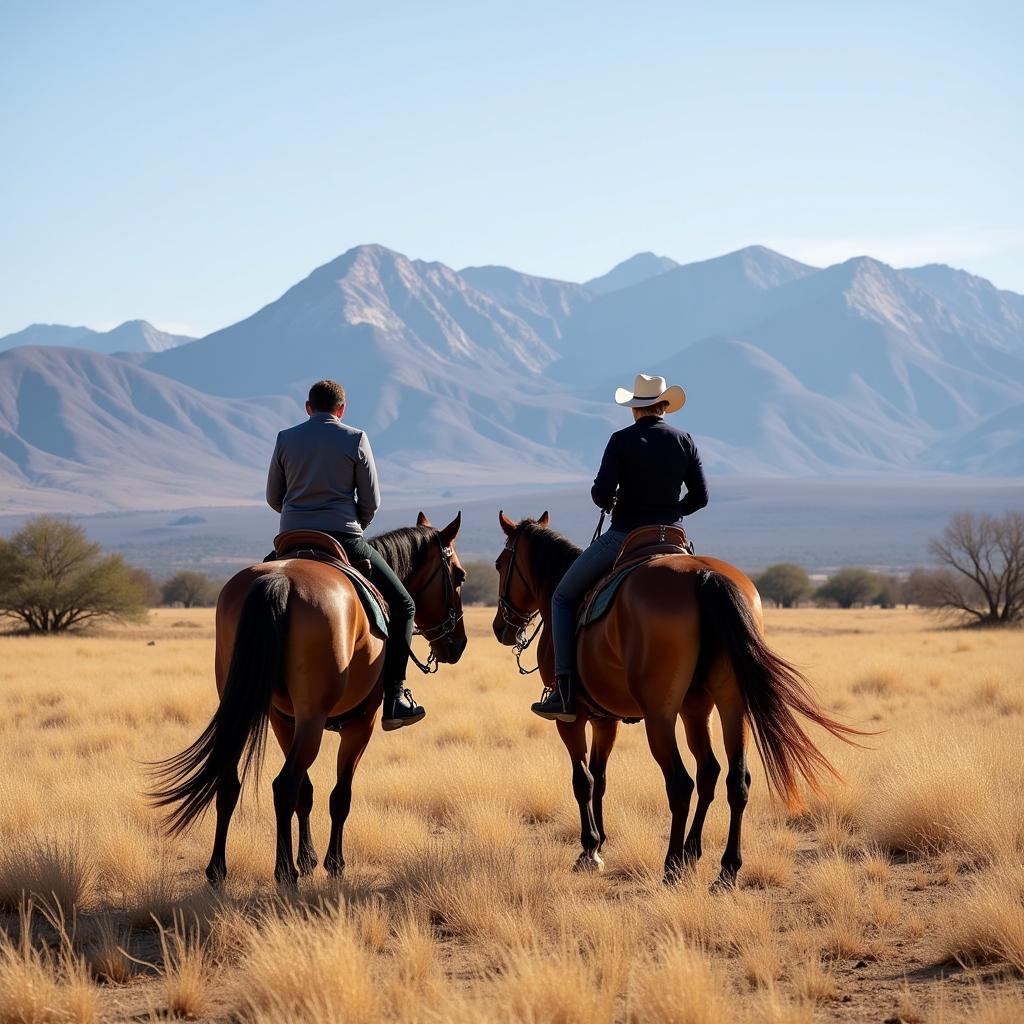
{"x":331,"y":649}
{"x":651,"y":632}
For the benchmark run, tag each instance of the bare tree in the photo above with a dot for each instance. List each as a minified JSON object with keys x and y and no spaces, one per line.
{"x":985,"y":559}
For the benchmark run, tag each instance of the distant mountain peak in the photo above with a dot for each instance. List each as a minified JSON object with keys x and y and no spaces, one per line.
{"x":637,"y":268}
{"x":130,"y":336}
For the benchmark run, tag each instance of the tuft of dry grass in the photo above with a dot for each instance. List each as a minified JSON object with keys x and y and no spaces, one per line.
{"x":187,"y":969}
{"x":987,"y":925}
{"x":40,"y":985}
{"x":677,"y":984}
{"x":305,"y":966}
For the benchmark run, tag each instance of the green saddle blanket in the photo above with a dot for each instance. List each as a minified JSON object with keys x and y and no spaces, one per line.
{"x":372,"y":602}
{"x":597,"y":605}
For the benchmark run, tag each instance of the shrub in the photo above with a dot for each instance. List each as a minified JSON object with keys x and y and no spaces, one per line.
{"x":55,"y":578}
{"x":785,"y":584}
{"x":848,"y":587}
{"x":190,"y":590}
{"x":481,"y":586}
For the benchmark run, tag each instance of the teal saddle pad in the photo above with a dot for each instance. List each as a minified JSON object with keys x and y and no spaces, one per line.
{"x":371,"y":600}
{"x":598,"y":605}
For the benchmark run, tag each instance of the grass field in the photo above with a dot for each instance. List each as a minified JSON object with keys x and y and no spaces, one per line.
{"x":898,"y":896}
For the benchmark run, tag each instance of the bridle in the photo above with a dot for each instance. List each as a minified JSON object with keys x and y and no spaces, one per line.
{"x":512,"y":616}
{"x":449,"y":623}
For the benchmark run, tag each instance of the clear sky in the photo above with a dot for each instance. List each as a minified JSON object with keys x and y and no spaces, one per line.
{"x":186,"y":162}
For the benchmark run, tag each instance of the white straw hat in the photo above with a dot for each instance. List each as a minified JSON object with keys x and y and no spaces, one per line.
{"x":650,"y":391}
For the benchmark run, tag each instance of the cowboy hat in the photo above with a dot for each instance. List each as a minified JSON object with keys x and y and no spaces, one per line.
{"x":650,"y":391}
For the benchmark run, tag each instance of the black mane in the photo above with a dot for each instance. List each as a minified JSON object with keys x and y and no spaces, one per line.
{"x":550,"y":555}
{"x":404,"y":549}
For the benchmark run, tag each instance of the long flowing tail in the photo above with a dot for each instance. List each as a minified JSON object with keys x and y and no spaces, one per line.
{"x":188,"y":781}
{"x":772,"y":688}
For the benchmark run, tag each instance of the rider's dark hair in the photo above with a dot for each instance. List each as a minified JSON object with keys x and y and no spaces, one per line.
{"x":658,"y":409}
{"x":326,"y":396}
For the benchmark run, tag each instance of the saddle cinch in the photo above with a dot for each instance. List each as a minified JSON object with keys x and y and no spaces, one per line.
{"x":640,"y":547}
{"x":322,"y":547}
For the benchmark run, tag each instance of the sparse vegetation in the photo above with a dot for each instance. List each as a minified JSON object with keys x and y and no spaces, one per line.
{"x":190,"y":590}
{"x":481,"y":586}
{"x":786,"y":583}
{"x":54,"y":579}
{"x":984,"y":559}
{"x":848,"y":587}
{"x":458,"y":903}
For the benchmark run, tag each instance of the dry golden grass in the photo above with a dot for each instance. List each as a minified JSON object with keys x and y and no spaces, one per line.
{"x":889,"y":893}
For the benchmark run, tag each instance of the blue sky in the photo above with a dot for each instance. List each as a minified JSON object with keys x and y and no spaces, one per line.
{"x":187,"y":162}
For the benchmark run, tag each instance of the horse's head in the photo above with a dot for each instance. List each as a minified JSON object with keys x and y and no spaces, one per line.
{"x":518,"y":600}
{"x":437,"y":588}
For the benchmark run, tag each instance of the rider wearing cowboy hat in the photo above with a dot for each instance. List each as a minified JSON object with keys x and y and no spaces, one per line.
{"x":651,"y":473}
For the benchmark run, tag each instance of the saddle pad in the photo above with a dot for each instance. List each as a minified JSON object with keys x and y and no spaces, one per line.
{"x":600,"y":600}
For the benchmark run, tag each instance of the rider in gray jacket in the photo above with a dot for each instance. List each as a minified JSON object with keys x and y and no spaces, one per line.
{"x":322,"y":477}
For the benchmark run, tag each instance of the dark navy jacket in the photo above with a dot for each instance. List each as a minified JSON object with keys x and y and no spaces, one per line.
{"x":646,"y":467}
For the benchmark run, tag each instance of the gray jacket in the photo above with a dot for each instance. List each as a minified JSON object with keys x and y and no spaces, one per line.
{"x":322,"y":477}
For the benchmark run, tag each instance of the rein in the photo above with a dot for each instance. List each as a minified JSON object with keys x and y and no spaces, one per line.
{"x":513,"y":617}
{"x":447,"y":625}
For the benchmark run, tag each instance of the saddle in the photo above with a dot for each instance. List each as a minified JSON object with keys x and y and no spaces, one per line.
{"x":322,"y":547}
{"x":640,"y":547}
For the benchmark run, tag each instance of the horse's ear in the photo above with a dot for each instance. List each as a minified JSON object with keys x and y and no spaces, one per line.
{"x":451,"y":531}
{"x":422,"y":520}
{"x":544,"y":520}
{"x":507,"y":526}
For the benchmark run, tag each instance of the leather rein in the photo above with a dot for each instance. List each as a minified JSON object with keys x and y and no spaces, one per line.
{"x":447,"y":625}
{"x":513,"y":617}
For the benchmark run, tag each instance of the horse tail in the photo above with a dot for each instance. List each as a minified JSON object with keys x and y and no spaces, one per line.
{"x":773,"y":690}
{"x":187,"y":782}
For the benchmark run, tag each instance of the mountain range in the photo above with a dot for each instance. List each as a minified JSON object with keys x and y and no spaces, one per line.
{"x":485,"y":378}
{"x":131,"y":336}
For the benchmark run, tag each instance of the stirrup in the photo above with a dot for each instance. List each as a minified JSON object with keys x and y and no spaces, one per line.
{"x":554,"y":706}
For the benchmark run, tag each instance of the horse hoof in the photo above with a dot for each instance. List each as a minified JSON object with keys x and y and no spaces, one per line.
{"x":334,"y":868}
{"x":216,"y":876}
{"x":307,"y":865}
{"x":723,"y":883}
{"x":287,"y":879}
{"x":589,"y":862}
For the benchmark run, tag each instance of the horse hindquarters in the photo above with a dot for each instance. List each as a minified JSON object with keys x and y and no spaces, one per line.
{"x":208,"y":769}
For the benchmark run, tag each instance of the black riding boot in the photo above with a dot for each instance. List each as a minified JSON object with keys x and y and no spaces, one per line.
{"x":557,"y":702}
{"x":400,"y":708}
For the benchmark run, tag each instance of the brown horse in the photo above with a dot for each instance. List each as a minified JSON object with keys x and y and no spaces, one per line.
{"x":295,"y":646}
{"x":684,"y":634}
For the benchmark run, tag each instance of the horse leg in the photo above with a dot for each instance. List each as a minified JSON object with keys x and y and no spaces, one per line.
{"x":307,"y":861}
{"x":661,"y":737}
{"x":574,"y":736}
{"x":301,"y":754}
{"x":354,"y":738}
{"x":696,"y":716}
{"x":605,"y":731}
{"x":737,"y":782}
{"x":228,"y":788}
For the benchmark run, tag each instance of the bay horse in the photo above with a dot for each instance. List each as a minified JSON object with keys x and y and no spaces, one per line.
{"x":684,"y":634}
{"x":295,"y":647}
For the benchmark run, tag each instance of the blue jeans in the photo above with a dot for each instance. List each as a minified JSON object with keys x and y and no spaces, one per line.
{"x":582,"y":575}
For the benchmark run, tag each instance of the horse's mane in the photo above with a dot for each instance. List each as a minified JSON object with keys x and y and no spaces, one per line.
{"x":550,"y":554}
{"x":404,"y":549}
